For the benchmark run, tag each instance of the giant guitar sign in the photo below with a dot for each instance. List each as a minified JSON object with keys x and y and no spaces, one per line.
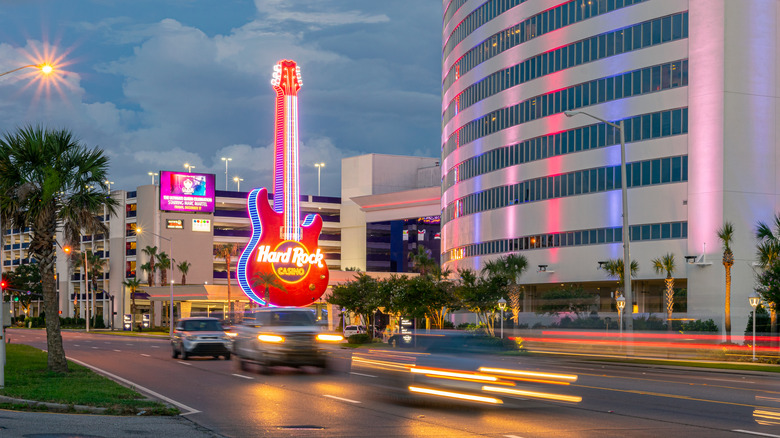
{"x":279,"y":244}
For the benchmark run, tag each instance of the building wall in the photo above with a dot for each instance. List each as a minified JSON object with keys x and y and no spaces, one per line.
{"x":726,"y":135}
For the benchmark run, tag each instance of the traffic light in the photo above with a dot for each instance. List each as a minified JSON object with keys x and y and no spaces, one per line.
{"x":16,"y":298}
{"x":3,"y":284}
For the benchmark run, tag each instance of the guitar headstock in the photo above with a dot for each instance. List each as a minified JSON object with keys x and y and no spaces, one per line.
{"x":287,"y":76}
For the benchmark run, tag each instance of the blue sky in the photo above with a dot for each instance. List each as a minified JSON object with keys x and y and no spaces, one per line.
{"x":160,"y":83}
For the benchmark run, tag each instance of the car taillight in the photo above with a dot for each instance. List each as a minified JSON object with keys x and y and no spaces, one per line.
{"x":274,"y":339}
{"x":328,"y":337}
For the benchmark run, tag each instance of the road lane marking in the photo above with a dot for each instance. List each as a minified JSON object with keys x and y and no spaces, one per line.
{"x":512,"y":436}
{"x":186,"y":410}
{"x":756,"y":433}
{"x":657,"y":394}
{"x":77,"y":345}
{"x":185,"y":363}
{"x":342,"y":399}
{"x":118,"y":351}
{"x":94,"y":348}
{"x":727,"y":380}
{"x":244,"y":377}
{"x":361,"y":374}
{"x":155,"y":346}
{"x":145,"y":355}
{"x":129,"y":344}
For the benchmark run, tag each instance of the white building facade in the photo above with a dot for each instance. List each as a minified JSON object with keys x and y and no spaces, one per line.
{"x":695,"y":83}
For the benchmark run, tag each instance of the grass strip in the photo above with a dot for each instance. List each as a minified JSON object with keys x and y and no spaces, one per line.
{"x":697,"y":364}
{"x":26,"y":377}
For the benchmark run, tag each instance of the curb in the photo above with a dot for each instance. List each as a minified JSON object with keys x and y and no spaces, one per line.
{"x":53,"y":406}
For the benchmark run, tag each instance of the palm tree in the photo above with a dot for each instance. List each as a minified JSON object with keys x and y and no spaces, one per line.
{"x":151,"y":252}
{"x":49,"y":180}
{"x":422,"y":262}
{"x":614,"y":268}
{"x":133,"y":284}
{"x":163,"y":264}
{"x":661,"y":265}
{"x":267,"y":280}
{"x":768,"y":251}
{"x":96,"y":266}
{"x":184,"y":268}
{"x":148,"y":270}
{"x":509,"y":267}
{"x":227,"y":250}
{"x":726,"y":236}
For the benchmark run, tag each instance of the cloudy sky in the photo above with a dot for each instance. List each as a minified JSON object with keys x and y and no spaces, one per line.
{"x":160,"y":83}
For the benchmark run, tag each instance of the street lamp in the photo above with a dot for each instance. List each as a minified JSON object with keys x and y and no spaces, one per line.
{"x":44,"y":68}
{"x":624,"y":191}
{"x":754,"y":300}
{"x":319,"y":167}
{"x":138,"y":231}
{"x":238,"y":183}
{"x":189,"y":168}
{"x":502,"y":306}
{"x":153,"y":174}
{"x":621,"y":304}
{"x":226,"y":170}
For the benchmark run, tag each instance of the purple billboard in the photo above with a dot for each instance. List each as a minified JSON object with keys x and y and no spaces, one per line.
{"x":182,"y":191}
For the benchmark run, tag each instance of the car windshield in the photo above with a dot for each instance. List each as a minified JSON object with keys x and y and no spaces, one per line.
{"x":285,"y":318}
{"x":201,"y":326}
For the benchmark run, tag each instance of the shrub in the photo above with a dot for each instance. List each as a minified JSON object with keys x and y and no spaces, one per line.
{"x":699,"y":326}
{"x":448,"y":325}
{"x":360,"y":338}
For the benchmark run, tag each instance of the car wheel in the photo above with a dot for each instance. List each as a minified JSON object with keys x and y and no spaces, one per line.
{"x":240,"y":364}
{"x":227,"y":356}
{"x":174,"y":352}
{"x":184,"y":354}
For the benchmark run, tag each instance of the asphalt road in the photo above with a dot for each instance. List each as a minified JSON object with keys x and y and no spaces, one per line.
{"x":617,"y":400}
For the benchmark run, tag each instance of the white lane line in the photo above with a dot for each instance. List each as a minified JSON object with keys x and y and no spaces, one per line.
{"x":145,"y":355}
{"x":94,"y":348}
{"x":727,"y":380}
{"x":118,"y":351}
{"x":244,"y":377}
{"x":185,"y":363}
{"x":512,"y":436}
{"x":129,"y":344}
{"x":361,"y":374}
{"x":77,"y":345}
{"x":155,"y":346}
{"x":186,"y":410}
{"x":756,"y":433}
{"x":340,"y":398}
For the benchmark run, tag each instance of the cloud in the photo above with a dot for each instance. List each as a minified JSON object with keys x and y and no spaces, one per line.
{"x":309,"y":13}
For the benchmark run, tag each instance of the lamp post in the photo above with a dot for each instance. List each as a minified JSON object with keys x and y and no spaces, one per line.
{"x":624,"y":190}
{"x":46,"y":69}
{"x":138,"y":231}
{"x":226,"y":170}
{"x":189,"y":168}
{"x":153,"y":174}
{"x":502,"y":306}
{"x":754,"y":300}
{"x":319,"y":167}
{"x":621,"y":304}
{"x":238,"y":180}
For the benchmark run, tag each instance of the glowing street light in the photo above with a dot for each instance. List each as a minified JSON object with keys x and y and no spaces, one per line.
{"x":238,"y":180}
{"x":502,"y":306}
{"x":319,"y":167}
{"x":754,"y":300}
{"x":226,"y":160}
{"x":153,"y":174}
{"x":138,"y":231}
{"x":621,"y":304}
{"x":189,"y":168}
{"x":44,"y":68}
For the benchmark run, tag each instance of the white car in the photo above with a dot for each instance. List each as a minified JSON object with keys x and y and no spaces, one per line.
{"x":353,"y":330}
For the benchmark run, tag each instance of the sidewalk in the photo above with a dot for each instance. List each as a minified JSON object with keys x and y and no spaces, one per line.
{"x":14,"y":424}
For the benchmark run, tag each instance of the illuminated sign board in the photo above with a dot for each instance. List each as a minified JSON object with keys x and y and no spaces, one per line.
{"x":187,"y":192}
{"x":175,"y":224}
{"x":201,"y":225}
{"x":280,"y":246}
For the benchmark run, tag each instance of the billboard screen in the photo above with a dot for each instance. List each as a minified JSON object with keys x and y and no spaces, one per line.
{"x":182,"y":191}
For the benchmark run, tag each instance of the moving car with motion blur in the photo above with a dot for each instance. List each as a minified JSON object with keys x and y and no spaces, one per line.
{"x":282,"y":336}
{"x":455,"y":367}
{"x":200,"y":337}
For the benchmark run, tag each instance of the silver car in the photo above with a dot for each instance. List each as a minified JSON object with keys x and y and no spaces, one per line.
{"x":200,"y":337}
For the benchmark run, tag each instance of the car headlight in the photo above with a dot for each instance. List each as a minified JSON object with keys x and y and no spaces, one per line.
{"x":274,"y":339}
{"x":231,"y":334}
{"x":329,"y":337}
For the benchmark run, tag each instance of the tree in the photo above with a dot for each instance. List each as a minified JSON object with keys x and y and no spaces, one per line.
{"x":768,"y":251}
{"x":661,"y":265}
{"x":479,"y":295}
{"x":267,"y":280}
{"x":614,"y":268}
{"x":564,"y":299}
{"x":422,"y":261}
{"x":151,"y":252}
{"x":726,"y":236}
{"x":184,"y":268}
{"x":359,"y":296}
{"x":133,"y":284}
{"x":429,"y":296}
{"x":227,"y":250}
{"x":510,"y":268}
{"x":49,"y":180}
{"x":164,"y":263}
